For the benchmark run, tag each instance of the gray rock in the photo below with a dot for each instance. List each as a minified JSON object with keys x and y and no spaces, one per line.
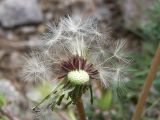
{"x":9,"y":91}
{"x":135,"y":11}
{"x":17,"y":105}
{"x":103,"y":13}
{"x":19,"y":12}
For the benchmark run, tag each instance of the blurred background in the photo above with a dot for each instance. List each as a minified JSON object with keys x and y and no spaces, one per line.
{"x":23,"y":21}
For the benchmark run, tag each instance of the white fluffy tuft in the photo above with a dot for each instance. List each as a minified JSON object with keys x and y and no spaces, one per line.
{"x":35,"y":68}
{"x":75,"y":36}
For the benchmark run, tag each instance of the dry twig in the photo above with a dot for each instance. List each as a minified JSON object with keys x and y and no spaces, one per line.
{"x":147,"y":85}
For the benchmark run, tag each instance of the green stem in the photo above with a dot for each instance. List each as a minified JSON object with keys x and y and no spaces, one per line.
{"x":91,"y":92}
{"x":71,"y":114}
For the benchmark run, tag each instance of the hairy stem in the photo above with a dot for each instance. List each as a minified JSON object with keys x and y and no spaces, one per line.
{"x":80,"y":109}
{"x":145,"y":91}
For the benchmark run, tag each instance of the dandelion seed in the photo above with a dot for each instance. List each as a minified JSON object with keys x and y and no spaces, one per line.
{"x":73,"y":24}
{"x":54,"y":35}
{"x":119,"y":51}
{"x":119,"y":80}
{"x":35,"y":68}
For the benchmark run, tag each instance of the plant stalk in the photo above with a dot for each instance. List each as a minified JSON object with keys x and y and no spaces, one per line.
{"x":80,"y":109}
{"x":146,"y":88}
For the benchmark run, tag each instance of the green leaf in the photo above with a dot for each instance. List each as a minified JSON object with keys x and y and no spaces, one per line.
{"x":105,"y":102}
{"x":4,"y":118}
{"x":141,"y":73}
{"x":45,"y":88}
{"x":2,"y":100}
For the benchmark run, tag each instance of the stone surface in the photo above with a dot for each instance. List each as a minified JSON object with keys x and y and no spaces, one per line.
{"x":103,"y":13}
{"x":9,"y":91}
{"x":135,"y":11}
{"x":19,"y":12}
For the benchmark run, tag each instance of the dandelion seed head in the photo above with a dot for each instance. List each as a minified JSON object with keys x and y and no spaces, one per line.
{"x":79,"y":53}
{"x":76,"y":37}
